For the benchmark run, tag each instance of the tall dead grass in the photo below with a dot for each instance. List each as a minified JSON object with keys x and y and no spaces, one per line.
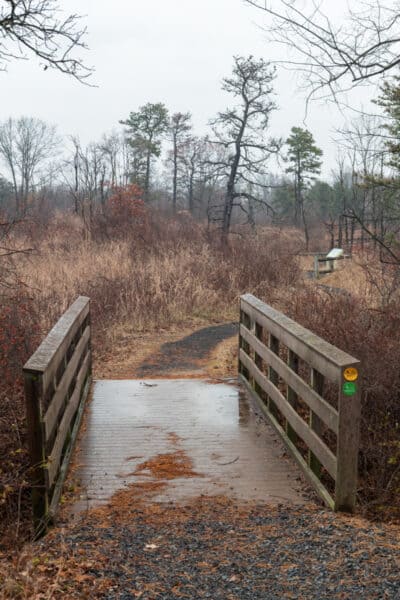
{"x":173,"y":272}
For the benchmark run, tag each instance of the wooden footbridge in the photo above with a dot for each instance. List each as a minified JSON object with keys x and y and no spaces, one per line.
{"x":293,"y":387}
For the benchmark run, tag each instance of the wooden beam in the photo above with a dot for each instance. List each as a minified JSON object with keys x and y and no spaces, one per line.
{"x":302,"y":429}
{"x":51,"y":351}
{"x":64,"y":427}
{"x":319,"y":405}
{"x":53,"y":411}
{"x":309,"y":475}
{"x":318,"y":353}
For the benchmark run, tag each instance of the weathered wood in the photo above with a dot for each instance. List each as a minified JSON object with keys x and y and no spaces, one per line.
{"x":318,"y":353}
{"x":309,"y":475}
{"x":291,"y":395}
{"x":347,"y":449}
{"x":317,"y":383}
{"x":60,"y":363}
{"x":319,"y":405}
{"x":64,"y":467}
{"x":317,"y":446}
{"x":33,"y":393}
{"x":64,"y":427}
{"x":53,"y":411}
{"x":52,"y":350}
{"x":325,"y":361}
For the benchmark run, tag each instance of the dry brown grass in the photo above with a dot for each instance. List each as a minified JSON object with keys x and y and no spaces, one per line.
{"x":168,"y":276}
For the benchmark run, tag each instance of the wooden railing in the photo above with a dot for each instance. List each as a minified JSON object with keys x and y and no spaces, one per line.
{"x":288,"y":370}
{"x":57,"y":380}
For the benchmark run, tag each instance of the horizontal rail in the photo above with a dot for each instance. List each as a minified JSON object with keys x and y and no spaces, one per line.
{"x":262,"y":369}
{"x":312,"y":440}
{"x":311,"y":478}
{"x":52,"y":350}
{"x":324,"y":357}
{"x":54,"y":460}
{"x":53,"y":411}
{"x":327,"y":413}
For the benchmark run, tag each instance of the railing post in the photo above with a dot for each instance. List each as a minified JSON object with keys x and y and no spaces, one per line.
{"x":244,"y":319}
{"x":317,"y":384}
{"x":272,"y":374}
{"x":293,"y":363}
{"x":33,"y":394}
{"x":348,"y":440}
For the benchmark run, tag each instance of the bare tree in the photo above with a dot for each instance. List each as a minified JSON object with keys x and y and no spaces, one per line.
{"x":194,"y":152}
{"x":110,"y":147}
{"x":39,"y":28}
{"x":179,"y":127}
{"x":26,"y":144}
{"x":363,"y":46}
{"x":240,"y":133}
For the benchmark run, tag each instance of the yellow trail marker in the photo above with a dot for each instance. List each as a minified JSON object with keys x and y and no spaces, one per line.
{"x":350,"y":374}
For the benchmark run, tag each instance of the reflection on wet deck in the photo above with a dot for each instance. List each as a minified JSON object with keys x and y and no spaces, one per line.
{"x":232,"y":450}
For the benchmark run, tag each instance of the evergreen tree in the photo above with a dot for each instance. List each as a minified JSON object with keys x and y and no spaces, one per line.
{"x":304,"y":163}
{"x":390,"y":102}
{"x":145,"y":129}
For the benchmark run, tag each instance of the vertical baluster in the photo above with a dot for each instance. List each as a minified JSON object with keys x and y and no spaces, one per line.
{"x":317,"y":384}
{"x":293,"y":363}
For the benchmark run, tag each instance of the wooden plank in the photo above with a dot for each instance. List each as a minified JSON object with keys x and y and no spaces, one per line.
{"x":54,"y":458}
{"x":291,"y":395}
{"x":318,"y":353}
{"x":33,"y":392}
{"x":67,"y":458}
{"x":319,"y":405}
{"x":53,"y":411}
{"x":309,"y":475}
{"x":347,"y":449}
{"x":302,"y":429}
{"x":273,"y":376}
{"x":316,"y":424}
{"x":51,"y":351}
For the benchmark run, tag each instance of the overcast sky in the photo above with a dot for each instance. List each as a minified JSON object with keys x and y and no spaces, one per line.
{"x":174,"y":52}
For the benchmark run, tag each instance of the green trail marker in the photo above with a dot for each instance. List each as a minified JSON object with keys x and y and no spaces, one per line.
{"x":349,"y":388}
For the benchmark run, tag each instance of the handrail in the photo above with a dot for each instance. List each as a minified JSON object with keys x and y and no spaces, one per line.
{"x":264,"y":373}
{"x":57,"y":380}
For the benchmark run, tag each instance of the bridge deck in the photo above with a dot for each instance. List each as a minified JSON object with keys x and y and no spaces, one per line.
{"x":189,"y":437}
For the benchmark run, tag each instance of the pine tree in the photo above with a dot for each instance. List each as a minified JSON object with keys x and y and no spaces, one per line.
{"x":304,"y":163}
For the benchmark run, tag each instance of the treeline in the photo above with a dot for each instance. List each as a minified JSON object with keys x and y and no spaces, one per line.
{"x":236,"y":173}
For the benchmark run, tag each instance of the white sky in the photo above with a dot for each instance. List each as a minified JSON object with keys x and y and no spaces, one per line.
{"x":171,"y":51}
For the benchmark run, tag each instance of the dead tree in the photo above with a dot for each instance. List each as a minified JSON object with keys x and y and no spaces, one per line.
{"x":240,"y":135}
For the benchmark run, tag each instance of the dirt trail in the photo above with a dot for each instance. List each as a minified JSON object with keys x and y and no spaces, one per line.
{"x":209,"y":352}
{"x":188,"y":356}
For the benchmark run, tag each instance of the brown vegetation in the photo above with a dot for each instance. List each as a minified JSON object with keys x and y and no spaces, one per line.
{"x":148,"y":279}
{"x":152,"y":275}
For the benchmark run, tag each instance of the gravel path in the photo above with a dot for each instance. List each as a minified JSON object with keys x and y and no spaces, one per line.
{"x":217,"y":549}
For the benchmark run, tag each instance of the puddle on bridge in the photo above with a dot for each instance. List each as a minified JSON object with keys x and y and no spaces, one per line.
{"x":197,"y":437}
